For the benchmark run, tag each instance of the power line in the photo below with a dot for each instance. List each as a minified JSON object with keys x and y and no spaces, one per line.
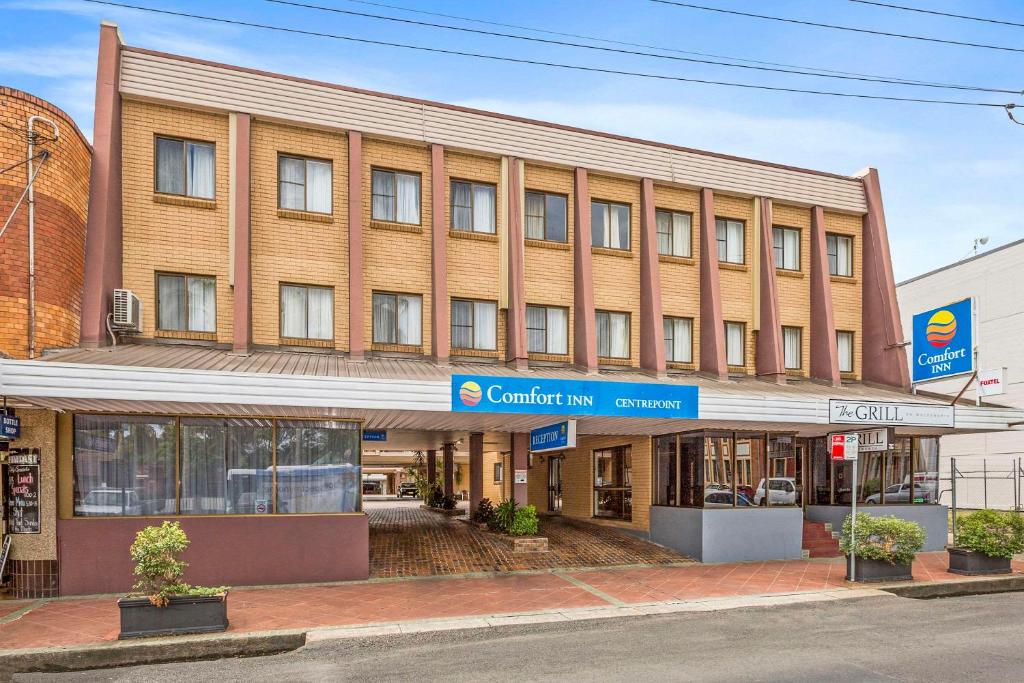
{"x":517,"y":60}
{"x":838,"y":27}
{"x":662,"y":48}
{"x":548,"y":41}
{"x":921,"y":10}
{"x":15,"y":165}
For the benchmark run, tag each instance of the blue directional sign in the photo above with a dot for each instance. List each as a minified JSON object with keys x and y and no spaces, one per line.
{"x":375,"y":435}
{"x":10,"y":427}
{"x":943,"y":342}
{"x":553,"y":437}
{"x":526,"y":395}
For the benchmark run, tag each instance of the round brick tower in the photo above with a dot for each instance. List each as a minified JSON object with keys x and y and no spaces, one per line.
{"x":61,"y":191}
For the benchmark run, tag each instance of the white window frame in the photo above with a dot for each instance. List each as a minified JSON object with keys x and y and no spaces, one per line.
{"x":281,"y":182}
{"x":670,"y":325}
{"x":551,"y":347}
{"x":629,"y":333}
{"x":722,"y":232}
{"x":677,"y":245}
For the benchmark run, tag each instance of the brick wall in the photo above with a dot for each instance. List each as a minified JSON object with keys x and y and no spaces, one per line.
{"x":680,"y":277}
{"x":61,"y":198}
{"x":737,"y":280}
{"x":795,"y":287}
{"x":846,"y":292}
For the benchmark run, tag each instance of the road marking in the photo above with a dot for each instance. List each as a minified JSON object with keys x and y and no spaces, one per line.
{"x":611,"y":599}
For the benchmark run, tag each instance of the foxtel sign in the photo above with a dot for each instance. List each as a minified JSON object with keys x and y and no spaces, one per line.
{"x":495,"y":394}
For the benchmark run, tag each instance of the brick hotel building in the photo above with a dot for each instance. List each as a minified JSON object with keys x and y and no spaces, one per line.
{"x":315,"y":261}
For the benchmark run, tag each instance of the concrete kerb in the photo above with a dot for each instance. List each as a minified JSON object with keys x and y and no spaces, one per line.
{"x":981,"y":585}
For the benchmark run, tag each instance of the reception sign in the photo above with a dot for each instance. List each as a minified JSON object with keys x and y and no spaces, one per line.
{"x":943,"y":342}
{"x":554,"y":437}
{"x":524,"y":395}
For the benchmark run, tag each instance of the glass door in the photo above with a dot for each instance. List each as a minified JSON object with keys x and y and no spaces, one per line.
{"x":555,"y":484}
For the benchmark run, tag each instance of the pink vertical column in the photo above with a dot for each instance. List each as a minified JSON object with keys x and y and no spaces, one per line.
{"x":242,"y":327}
{"x":440,"y":334}
{"x":103,"y":251}
{"x":712,"y":326}
{"x":652,"y":347}
{"x":884,"y":361}
{"x":770,"y":361}
{"x":356,"y":295}
{"x":516,"y":321}
{"x":520,"y":461}
{"x":584,"y":323}
{"x":824,"y":352}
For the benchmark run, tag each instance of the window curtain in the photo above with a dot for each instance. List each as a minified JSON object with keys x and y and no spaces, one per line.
{"x":536,"y":329}
{"x":599,"y":224}
{"x":462,"y":206}
{"x":408,"y":187}
{"x":791,"y":249}
{"x":485,"y":325}
{"x":555,"y":218}
{"x":680,"y":234}
{"x":383,"y":191}
{"x":663,"y":220}
{"x":462,"y":324}
{"x":317,"y":466}
{"x":845,"y":346}
{"x":170,"y":165}
{"x":619,"y":230}
{"x":619,"y":328}
{"x":844,"y":258}
{"x":202,"y":304}
{"x":320,"y":313}
{"x":558,"y":330}
{"x":483,"y":208}
{"x":603,"y":334}
{"x":318,"y":186}
{"x":678,"y":342}
{"x":293,"y":312}
{"x":292,"y":177}
{"x":409,"y":320}
{"x":791,"y":339}
{"x":734,"y":344}
{"x":225,"y":466}
{"x":171,"y":291}
{"x":384,"y":319}
{"x":200,"y":170}
{"x":534,"y":216}
{"x":734,"y":242}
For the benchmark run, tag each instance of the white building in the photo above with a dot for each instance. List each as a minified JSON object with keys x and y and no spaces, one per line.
{"x":996,"y":282}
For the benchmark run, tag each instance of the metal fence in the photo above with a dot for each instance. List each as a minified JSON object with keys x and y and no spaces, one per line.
{"x":981,"y":484}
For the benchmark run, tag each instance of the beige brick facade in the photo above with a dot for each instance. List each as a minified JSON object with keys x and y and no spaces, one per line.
{"x":846,"y":291}
{"x":795,"y":286}
{"x":737,"y":280}
{"x":680,"y":276}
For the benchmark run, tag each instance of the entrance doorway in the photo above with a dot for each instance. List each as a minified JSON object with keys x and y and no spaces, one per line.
{"x":555,"y":484}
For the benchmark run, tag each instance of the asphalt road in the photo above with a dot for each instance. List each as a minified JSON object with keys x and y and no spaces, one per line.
{"x":870,"y":639}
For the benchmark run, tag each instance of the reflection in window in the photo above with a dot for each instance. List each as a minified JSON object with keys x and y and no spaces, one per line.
{"x":124,"y":466}
{"x":906,"y":473}
{"x":317,"y":466}
{"x":613,"y":483}
{"x":226,"y":466}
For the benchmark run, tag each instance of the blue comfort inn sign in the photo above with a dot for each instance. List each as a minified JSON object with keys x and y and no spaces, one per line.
{"x":943,"y":342}
{"x":493,"y":394}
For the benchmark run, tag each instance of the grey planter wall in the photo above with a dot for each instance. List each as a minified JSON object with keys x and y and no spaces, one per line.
{"x":723,"y":535}
{"x":934,"y":518}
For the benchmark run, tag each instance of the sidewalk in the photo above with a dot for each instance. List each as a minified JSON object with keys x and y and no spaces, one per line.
{"x":66,"y":622}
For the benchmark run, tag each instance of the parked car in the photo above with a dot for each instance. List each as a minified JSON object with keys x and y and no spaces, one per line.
{"x":781,"y":491}
{"x":407,"y":488}
{"x":897,"y":493}
{"x":717,"y":498}
{"x":109,"y":502}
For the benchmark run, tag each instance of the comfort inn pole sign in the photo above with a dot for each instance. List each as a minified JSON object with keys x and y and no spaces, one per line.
{"x":494,"y":394}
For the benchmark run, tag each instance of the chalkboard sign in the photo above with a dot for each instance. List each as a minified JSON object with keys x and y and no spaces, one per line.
{"x":23,"y":499}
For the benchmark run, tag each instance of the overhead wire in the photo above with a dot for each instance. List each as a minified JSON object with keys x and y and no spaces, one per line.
{"x":839,"y":27}
{"x":922,"y":10}
{"x":518,"y":60}
{"x":548,"y":41}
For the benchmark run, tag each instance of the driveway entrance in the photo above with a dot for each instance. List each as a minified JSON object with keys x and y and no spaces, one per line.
{"x":406,"y":540}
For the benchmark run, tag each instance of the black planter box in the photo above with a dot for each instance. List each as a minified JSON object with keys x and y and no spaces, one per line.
{"x":869,"y":571}
{"x":970,"y":563}
{"x":182,"y":614}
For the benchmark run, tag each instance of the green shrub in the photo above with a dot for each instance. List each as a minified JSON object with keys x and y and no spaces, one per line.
{"x":504,"y":515}
{"x":448,"y":502}
{"x":524,"y":523}
{"x":888,"y":539}
{"x":992,"y":533}
{"x":434,"y":497}
{"x":484,"y":511}
{"x":159,"y":571}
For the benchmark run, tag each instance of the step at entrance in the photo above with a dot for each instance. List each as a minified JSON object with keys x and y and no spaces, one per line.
{"x":820,"y":541}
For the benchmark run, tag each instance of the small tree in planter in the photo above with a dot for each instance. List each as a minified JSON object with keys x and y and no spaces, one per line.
{"x":161,"y":603}
{"x":885,"y":547}
{"x":985,"y":542}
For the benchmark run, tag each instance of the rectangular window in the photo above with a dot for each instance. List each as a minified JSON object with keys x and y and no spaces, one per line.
{"x":612,"y":334}
{"x":786,"y":242}
{"x":613,"y":483}
{"x":497,"y":472}
{"x":792,"y":347}
{"x":678,"y":340}
{"x":546,"y":216}
{"x":226,"y":466}
{"x":395,"y":197}
{"x":674,"y":235}
{"x":185,"y":168}
{"x":304,"y":184}
{"x":307,"y":312}
{"x":547,"y":329}
{"x":729,"y":234}
{"x":472,"y":207}
{"x":844,"y":344}
{"x":609,"y":225}
{"x":397,"y":319}
{"x":186,"y":303}
{"x":735,"y":344}
{"x":317,"y":466}
{"x":474,"y":325}
{"x":840,"y":254}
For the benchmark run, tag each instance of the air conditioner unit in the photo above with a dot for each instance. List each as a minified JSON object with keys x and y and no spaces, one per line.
{"x":127,"y":315}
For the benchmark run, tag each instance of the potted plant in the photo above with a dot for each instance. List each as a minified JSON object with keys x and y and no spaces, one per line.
{"x":885,"y":547}
{"x":161,"y":603}
{"x":985,"y":542}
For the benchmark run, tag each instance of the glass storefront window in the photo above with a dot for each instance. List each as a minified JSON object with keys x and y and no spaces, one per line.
{"x":785,"y":470}
{"x":226,"y":466}
{"x":666,"y":471}
{"x":317,"y":466}
{"x":907,"y":473}
{"x":691,"y":469}
{"x":926,"y":470}
{"x":124,"y":466}
{"x":613,"y":483}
